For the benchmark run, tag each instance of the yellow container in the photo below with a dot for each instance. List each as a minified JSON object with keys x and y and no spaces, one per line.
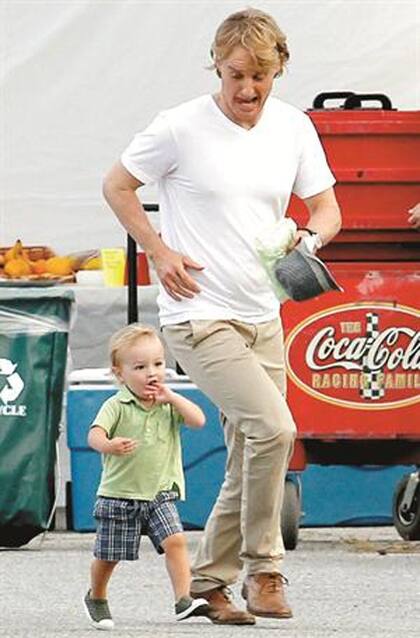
{"x":113,"y":265}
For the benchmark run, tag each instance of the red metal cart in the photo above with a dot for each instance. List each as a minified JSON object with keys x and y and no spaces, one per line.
{"x":354,"y":357}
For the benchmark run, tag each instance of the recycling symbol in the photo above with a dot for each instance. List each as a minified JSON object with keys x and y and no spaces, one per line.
{"x":14,"y":384}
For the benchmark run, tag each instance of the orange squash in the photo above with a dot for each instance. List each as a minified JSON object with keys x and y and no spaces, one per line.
{"x":39,"y":267}
{"x":18,"y":267}
{"x":59,"y":266}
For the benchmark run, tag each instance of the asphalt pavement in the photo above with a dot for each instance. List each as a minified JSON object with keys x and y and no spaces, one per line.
{"x":344,"y":583}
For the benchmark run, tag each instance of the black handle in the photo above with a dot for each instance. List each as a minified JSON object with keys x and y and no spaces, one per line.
{"x":355,"y":101}
{"x":319,"y":100}
{"x":133,"y":309}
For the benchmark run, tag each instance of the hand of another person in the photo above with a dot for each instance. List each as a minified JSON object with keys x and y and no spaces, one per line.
{"x":121,"y":445}
{"x":414,"y":218}
{"x":171,"y":268}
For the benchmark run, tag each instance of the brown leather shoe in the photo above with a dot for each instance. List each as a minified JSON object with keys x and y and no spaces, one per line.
{"x":222,"y":611}
{"x":265,"y":597}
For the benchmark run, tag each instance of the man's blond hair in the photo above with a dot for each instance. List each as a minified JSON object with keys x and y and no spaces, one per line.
{"x":126,"y":337}
{"x":258,"y":33}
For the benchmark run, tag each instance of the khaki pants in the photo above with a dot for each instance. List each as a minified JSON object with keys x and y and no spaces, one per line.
{"x":240,"y":367}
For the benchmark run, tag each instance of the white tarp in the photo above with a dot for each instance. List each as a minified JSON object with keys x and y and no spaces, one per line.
{"x":79,"y":77}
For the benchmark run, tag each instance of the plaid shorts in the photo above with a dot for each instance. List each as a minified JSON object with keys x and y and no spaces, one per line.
{"x":121,"y":523}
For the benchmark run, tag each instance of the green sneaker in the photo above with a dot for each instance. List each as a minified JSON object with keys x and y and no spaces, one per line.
{"x":187,"y":607}
{"x":98,"y":612}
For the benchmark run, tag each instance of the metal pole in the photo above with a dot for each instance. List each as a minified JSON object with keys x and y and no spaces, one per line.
{"x":133,"y":310}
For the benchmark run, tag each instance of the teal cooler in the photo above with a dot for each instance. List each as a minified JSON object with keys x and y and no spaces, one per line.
{"x":34,"y":326}
{"x":337,"y":495}
{"x":204,"y":455}
{"x":83,"y":403}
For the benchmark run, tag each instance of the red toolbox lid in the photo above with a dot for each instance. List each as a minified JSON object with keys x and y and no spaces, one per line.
{"x":374,"y":154}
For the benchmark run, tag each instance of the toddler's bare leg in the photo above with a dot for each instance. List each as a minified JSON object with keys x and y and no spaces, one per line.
{"x":178,"y":564}
{"x":100,"y":572}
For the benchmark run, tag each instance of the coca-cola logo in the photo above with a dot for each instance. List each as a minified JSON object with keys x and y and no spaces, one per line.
{"x":365,"y":356}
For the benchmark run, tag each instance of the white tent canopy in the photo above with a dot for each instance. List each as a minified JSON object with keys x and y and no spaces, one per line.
{"x":79,"y":77}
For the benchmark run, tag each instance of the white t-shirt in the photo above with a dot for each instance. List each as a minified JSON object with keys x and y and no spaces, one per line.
{"x":219,"y":184}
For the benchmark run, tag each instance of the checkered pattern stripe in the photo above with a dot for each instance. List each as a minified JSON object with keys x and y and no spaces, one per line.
{"x":371,"y":388}
{"x":122,"y":522}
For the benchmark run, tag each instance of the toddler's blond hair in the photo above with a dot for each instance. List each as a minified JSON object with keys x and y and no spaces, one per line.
{"x":127,"y":337}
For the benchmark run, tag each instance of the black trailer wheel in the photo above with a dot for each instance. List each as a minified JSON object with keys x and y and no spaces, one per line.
{"x":406,"y":523}
{"x":290,"y":514}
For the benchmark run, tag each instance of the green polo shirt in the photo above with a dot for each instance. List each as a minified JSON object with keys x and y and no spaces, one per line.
{"x":156,"y":464}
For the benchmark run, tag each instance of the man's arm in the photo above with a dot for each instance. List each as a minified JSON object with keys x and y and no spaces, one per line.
{"x":119,"y":190}
{"x":324,"y":215}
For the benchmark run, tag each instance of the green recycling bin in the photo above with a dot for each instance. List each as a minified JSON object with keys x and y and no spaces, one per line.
{"x":34,"y":327}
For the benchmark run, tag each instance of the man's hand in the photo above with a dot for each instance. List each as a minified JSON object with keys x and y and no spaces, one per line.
{"x":171,"y":268}
{"x":312,"y":238}
{"x":120,"y":446}
{"x":414,"y":216}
